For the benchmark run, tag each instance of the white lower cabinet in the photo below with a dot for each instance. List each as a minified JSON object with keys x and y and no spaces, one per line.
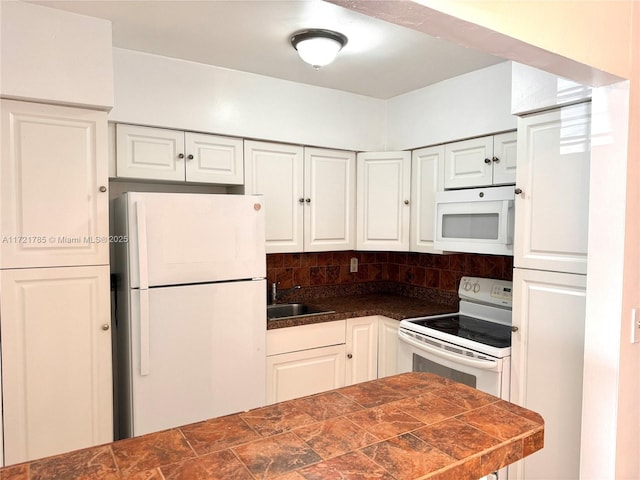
{"x":547,"y":367}
{"x":296,"y":374}
{"x":362,"y":349}
{"x":305,"y":360}
{"x":387,"y":346}
{"x":56,"y":360}
{"x":314,"y":358}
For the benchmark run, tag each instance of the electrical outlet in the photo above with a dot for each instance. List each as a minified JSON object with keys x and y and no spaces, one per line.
{"x":635,"y":325}
{"x":353,"y":266}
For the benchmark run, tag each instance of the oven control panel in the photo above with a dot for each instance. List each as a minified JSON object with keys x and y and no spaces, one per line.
{"x":486,"y":290}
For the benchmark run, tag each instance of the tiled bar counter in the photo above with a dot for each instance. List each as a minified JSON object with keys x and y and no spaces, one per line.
{"x":408,"y":426}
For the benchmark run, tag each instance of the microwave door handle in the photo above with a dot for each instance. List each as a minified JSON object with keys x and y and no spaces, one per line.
{"x":503,"y":235}
{"x":470,"y":362}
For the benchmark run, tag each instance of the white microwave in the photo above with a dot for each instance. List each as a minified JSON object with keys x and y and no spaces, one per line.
{"x":475,"y":220}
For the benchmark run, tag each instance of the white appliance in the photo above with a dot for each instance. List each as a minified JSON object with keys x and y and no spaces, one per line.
{"x":191,"y":311}
{"x":475,"y":220}
{"x":472,"y":346}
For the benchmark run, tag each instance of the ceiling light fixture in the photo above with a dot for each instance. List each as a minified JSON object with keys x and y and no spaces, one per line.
{"x":318,"y":47}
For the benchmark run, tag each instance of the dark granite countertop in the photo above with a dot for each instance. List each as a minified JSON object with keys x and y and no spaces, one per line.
{"x":396,"y":305}
{"x":405,"y":427}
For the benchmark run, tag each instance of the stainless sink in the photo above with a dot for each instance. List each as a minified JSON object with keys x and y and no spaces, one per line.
{"x":286,"y":310}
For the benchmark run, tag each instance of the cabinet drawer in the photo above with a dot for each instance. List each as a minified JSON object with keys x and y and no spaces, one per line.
{"x":304,"y":337}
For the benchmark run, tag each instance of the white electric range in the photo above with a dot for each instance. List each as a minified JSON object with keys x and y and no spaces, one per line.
{"x":471,"y":346}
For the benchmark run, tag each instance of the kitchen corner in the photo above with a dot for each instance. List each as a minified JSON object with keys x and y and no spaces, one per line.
{"x":392,"y":284}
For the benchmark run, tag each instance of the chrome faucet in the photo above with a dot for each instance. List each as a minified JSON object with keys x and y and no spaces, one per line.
{"x":275,"y":292}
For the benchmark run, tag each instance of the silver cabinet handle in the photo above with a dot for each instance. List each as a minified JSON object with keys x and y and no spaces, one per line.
{"x":102,"y":188}
{"x":406,"y":202}
{"x":189,"y":157}
{"x":181,"y":155}
{"x":518,"y":191}
{"x":105,"y":327}
{"x":514,"y":329}
{"x":349,"y":355}
{"x":487,"y":161}
{"x":301,"y":200}
{"x":308,"y":200}
{"x":495,"y":160}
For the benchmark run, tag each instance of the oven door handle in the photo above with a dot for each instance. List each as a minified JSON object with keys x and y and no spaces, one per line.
{"x":463,"y":360}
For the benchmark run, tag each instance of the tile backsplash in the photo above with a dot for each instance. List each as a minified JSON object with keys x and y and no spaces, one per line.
{"x":441,"y":272}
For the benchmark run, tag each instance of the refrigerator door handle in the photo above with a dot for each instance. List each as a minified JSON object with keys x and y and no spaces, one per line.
{"x":143,"y":278}
{"x":141,"y":231}
{"x":144,"y":333}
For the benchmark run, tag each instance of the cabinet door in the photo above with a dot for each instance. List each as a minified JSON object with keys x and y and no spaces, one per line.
{"x":387,"y":346}
{"x":504,"y":160}
{"x":547,"y":367}
{"x":551,"y":224}
{"x":276,"y":171}
{"x":56,"y":360}
{"x":468,"y":163}
{"x":54,"y":186}
{"x":383,"y":188}
{"x":296,"y":374}
{"x":213,"y":159}
{"x":149,"y":153}
{"x":330,"y":200}
{"x":362,"y":350}
{"x":427,"y":178}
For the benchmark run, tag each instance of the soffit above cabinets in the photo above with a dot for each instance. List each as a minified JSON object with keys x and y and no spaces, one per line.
{"x":380,"y":60}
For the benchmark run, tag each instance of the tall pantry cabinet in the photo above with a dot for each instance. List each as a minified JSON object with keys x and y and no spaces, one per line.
{"x":54,"y":280}
{"x":549,"y":282}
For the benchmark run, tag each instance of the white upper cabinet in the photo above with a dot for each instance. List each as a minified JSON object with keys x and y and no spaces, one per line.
{"x":53,"y":186}
{"x":173,"y":155}
{"x":427,"y":178}
{"x":383,"y":199}
{"x":330,"y":200}
{"x":277,"y":172}
{"x":215,"y":159}
{"x":552,"y":208}
{"x":481,"y":161}
{"x":309,"y":195}
{"x":505,"y":158}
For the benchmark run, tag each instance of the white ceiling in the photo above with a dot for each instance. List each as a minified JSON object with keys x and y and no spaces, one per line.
{"x":380,"y":60}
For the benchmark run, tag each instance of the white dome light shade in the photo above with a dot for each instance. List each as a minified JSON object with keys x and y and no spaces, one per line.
{"x":318,"y":47}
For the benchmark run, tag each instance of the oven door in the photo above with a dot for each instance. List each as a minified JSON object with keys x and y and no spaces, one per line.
{"x":420,"y":353}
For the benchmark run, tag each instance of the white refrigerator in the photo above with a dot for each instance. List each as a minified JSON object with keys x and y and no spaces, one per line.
{"x":190,"y":308}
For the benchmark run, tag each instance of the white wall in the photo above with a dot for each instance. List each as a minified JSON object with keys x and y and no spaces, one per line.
{"x":161,"y":91}
{"x":533,"y":89}
{"x":54,"y":56}
{"x":470,"y":105}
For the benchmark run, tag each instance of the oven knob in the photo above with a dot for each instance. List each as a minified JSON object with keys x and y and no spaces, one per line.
{"x":467,"y":286}
{"x":476,"y":287}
